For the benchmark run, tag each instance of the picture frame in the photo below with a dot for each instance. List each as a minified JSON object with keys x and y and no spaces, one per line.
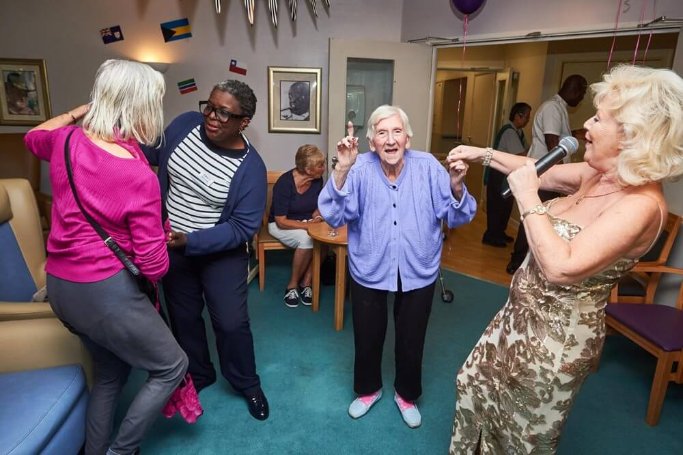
{"x":294,"y":100}
{"x":24,"y":94}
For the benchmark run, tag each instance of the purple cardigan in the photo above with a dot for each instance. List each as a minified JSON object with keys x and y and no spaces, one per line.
{"x":395,"y":227}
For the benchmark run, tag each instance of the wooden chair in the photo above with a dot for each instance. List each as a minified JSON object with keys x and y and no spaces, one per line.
{"x":658,"y":329}
{"x":639,"y":286}
{"x":263,"y":240}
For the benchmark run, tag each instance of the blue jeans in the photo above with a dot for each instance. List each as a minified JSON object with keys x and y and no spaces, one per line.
{"x":122,"y":330}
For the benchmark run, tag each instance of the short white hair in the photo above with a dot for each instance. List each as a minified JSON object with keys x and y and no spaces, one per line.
{"x":126,"y":102}
{"x":386,"y":111}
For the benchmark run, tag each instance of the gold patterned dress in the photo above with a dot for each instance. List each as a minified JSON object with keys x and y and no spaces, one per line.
{"x":518,"y":384}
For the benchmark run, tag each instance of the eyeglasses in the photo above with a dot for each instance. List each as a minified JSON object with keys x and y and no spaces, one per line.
{"x":221,"y":114}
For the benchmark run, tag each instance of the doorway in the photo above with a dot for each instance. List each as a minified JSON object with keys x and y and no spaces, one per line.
{"x":469,"y":107}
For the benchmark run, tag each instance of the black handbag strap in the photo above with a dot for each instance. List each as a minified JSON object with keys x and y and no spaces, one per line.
{"x":110,"y":242}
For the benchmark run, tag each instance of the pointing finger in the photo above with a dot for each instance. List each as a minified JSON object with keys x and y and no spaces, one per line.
{"x":349,"y":128}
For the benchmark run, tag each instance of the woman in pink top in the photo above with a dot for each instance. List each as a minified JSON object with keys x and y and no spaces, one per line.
{"x":88,"y":287}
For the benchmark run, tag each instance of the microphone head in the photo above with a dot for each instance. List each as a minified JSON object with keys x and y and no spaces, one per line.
{"x":570,"y":144}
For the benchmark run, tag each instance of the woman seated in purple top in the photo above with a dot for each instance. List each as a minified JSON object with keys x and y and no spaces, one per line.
{"x":293,"y":208}
{"x":90,"y":290}
{"x":394,"y":201}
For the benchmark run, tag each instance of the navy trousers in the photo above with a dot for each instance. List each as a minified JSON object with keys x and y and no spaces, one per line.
{"x":498,"y":209}
{"x":220,"y":281}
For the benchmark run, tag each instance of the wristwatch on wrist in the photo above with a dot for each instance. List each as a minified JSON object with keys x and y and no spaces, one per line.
{"x":540,"y":209}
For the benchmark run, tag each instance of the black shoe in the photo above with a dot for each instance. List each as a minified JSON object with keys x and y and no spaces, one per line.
{"x":306,"y":295}
{"x":291,"y":298}
{"x":512,"y":267}
{"x":498,"y":243}
{"x":507,"y":238}
{"x":258,"y":405}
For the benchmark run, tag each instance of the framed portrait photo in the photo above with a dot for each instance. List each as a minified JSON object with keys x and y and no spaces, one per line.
{"x":24,"y":96}
{"x":294,"y":100}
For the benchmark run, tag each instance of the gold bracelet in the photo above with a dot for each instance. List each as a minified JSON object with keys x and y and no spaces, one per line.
{"x":540,"y":209}
{"x":487,"y":157}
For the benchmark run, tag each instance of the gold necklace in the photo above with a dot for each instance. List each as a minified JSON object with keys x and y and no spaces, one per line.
{"x":585,"y":196}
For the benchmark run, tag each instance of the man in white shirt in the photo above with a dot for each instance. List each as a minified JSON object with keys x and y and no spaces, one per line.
{"x":551,"y":123}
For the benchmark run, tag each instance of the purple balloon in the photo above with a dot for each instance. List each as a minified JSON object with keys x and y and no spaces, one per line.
{"x":467,"y":6}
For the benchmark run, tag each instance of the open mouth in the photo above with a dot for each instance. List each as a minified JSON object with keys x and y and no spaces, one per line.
{"x":210,"y":127}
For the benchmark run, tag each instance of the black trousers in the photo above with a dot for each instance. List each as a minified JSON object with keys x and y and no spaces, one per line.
{"x":521,"y":246}
{"x":498,"y":209}
{"x":411,"y":314}
{"x":220,"y":280}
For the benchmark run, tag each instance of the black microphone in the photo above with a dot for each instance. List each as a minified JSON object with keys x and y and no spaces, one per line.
{"x":567,"y":146}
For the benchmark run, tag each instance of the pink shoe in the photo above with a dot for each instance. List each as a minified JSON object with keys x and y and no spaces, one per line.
{"x":409,"y":412}
{"x":361,"y":405}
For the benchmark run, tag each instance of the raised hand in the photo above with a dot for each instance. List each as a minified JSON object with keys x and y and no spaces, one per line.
{"x":347,"y":149}
{"x":457,"y":169}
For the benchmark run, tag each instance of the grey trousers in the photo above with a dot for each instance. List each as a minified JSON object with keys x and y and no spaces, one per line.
{"x":122,"y":330}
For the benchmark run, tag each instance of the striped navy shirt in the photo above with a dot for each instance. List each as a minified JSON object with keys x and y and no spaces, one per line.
{"x":200,"y":183}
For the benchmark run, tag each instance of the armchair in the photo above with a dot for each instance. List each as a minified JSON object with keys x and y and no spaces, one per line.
{"x":43,"y":390}
{"x":31,"y":336}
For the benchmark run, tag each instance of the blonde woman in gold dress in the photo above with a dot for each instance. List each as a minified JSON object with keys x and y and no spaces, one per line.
{"x":516,"y":388}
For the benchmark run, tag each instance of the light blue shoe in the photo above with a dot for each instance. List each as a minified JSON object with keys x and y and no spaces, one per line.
{"x":361,"y":405}
{"x":409,"y":412}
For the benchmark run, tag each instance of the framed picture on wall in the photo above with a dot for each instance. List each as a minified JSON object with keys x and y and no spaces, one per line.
{"x":294,"y":100}
{"x":24,"y":96}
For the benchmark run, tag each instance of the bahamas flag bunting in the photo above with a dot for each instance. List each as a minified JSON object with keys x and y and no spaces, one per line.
{"x":187,"y":86}
{"x":175,"y":30}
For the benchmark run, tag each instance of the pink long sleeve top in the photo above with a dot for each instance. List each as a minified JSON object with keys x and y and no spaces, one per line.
{"x":119,"y":193}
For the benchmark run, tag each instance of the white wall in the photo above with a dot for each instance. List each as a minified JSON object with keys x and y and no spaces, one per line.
{"x":518,"y":17}
{"x":66,"y":34}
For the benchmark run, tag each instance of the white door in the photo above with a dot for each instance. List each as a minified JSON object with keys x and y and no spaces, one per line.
{"x":412,"y":82}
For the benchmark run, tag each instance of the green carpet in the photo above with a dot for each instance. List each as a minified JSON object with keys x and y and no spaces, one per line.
{"x":306,"y":370}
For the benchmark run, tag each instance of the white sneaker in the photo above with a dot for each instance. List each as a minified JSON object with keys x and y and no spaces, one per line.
{"x":409,"y":412}
{"x":361,"y":405}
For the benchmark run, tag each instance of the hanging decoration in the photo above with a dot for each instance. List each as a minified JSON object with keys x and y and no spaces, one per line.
{"x":292,"y":9}
{"x":614,"y":35}
{"x":467,"y":7}
{"x":649,"y":40}
{"x":272,"y":6}
{"x":249,"y":5}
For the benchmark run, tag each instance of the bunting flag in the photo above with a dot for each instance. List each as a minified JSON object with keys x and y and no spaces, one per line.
{"x":238,"y":67}
{"x":111,"y":34}
{"x":176,"y":30}
{"x":187,"y":86}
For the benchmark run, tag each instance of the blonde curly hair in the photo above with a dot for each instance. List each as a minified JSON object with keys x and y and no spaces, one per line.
{"x":648,"y":104}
